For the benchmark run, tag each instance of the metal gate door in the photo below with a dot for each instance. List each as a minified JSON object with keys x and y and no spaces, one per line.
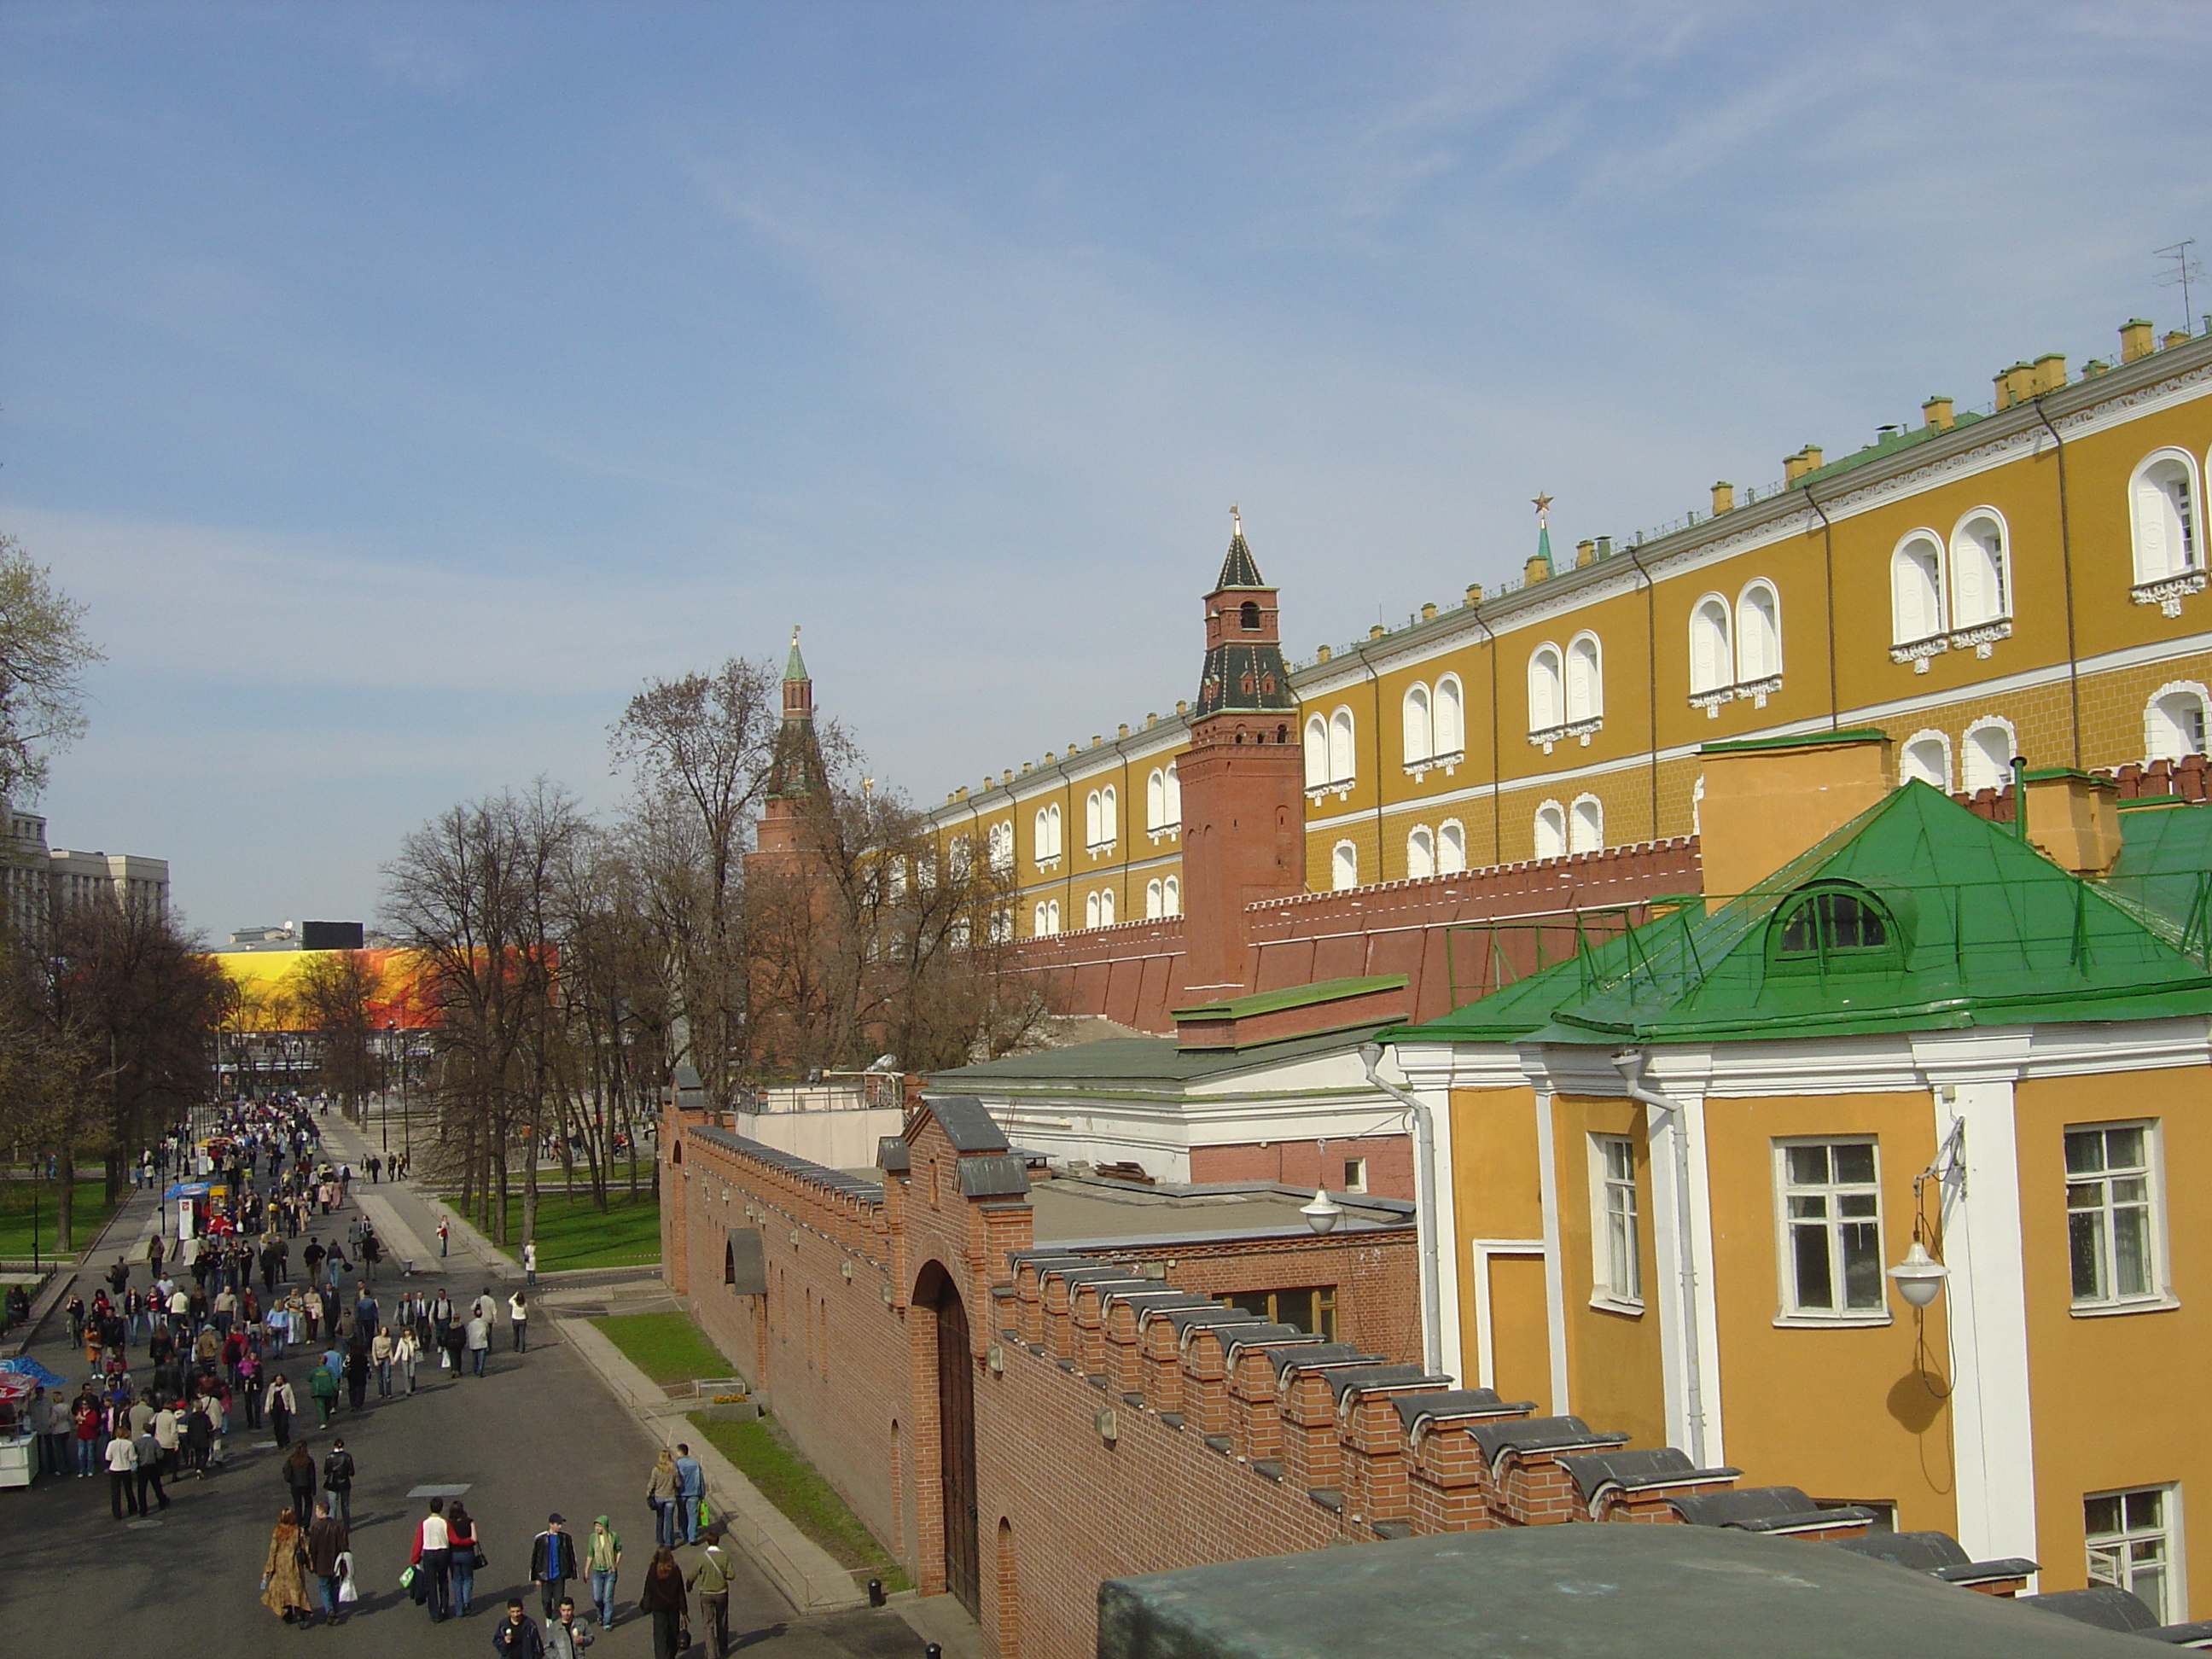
{"x":955,"y":1419}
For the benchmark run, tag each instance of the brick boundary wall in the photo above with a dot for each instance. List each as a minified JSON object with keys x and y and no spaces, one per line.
{"x":1124,"y":1422}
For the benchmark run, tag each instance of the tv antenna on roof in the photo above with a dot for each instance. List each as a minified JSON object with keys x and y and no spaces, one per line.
{"x":2187,"y":267}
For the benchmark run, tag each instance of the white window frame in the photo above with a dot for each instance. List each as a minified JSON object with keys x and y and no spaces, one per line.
{"x":1585,"y":824}
{"x":2096,"y":1548}
{"x":1712,"y":636}
{"x":2169,"y":564}
{"x":1171,"y":895}
{"x":1552,"y":816}
{"x":1753,"y":673}
{"x":1789,"y":1309}
{"x":1154,"y":900}
{"x":1448,"y":720}
{"x":1343,"y":867}
{"x":1343,"y":748}
{"x":1585,"y":701}
{"x":1613,"y":1226}
{"x":2158,"y":1294}
{"x":1942,"y":740}
{"x":2152,"y":748}
{"x":1935,"y":594}
{"x":1968,"y":750}
{"x":1547,"y":689}
{"x":1156,"y":799}
{"x":1355,"y":1175}
{"x":1985,"y":615}
{"x":1451,"y":848}
{"x":1316,"y":755}
{"x":1416,"y":725}
{"x":1420,"y":852}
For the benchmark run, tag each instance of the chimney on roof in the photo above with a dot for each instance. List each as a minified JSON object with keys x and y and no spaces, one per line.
{"x":1428,"y":612}
{"x":1723,"y":498}
{"x":1585,"y":553}
{"x":1123,"y":729}
{"x":1377,"y":631}
{"x":1321,"y":653}
{"x":2073,"y":818}
{"x":2135,"y":339}
{"x":2050,"y":372}
{"x":1936,"y":411}
{"x":1768,"y":799}
{"x":1535,"y":570}
{"x":1604,"y":547}
{"x":2013,"y":386}
{"x":1475,"y":592}
{"x":2175,"y":337}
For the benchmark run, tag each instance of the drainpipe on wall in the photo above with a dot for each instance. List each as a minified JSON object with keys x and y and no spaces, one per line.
{"x":1496,"y":782}
{"x":1630,"y":1063}
{"x":1828,"y":566}
{"x":1424,"y":1207}
{"x":2066,"y":561}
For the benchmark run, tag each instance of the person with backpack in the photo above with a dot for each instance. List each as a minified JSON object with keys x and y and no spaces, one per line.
{"x":338,"y":1481}
{"x":711,"y":1578}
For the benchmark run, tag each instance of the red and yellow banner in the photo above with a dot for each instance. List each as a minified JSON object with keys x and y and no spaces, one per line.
{"x":269,"y":984}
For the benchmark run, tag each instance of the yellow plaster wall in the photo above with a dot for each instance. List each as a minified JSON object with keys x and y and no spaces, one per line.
{"x":1613,"y":1362}
{"x":1843,"y":1412}
{"x":1497,"y":1194}
{"x":2137,"y":1379}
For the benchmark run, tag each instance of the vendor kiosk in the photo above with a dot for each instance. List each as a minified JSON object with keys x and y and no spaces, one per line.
{"x":19,"y":1445}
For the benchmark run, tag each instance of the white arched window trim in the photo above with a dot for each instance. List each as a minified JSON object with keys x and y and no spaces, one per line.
{"x":1417,"y":727}
{"x":1343,"y":755}
{"x":1979,"y":765}
{"x":1547,"y":695}
{"x":1175,"y":799}
{"x":1758,"y":641}
{"x":1171,"y":897}
{"x":2167,"y":528}
{"x":1927,"y":756}
{"x":1586,"y":824}
{"x":1316,"y":746}
{"x":1713,"y":654}
{"x":1585,"y":689}
{"x":1918,"y":585}
{"x":1551,"y":831}
{"x":1451,"y":848}
{"x":1981,"y":580}
{"x":1343,"y":867}
{"x":1420,"y":852}
{"x":1448,"y":718}
{"x":1110,"y":815}
{"x":1154,"y":905}
{"x":2168,"y":733}
{"x":1156,"y":799}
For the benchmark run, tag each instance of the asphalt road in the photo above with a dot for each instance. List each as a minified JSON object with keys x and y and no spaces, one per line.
{"x":538,"y":1434}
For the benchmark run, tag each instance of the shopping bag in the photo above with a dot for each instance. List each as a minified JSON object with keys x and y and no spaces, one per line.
{"x":445,"y":1359}
{"x":346,"y":1590}
{"x":407,"y":1578}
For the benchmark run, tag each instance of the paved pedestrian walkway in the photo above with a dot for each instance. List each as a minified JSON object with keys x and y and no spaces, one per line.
{"x":539,"y":1433}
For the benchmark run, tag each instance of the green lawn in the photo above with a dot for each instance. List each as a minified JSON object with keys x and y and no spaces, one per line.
{"x":16,"y":1198}
{"x":668,"y":1347}
{"x":793,"y":1485}
{"x":572,"y":1233}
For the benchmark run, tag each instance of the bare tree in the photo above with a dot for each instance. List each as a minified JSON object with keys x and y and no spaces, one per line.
{"x":334,"y":993}
{"x":44,"y":652}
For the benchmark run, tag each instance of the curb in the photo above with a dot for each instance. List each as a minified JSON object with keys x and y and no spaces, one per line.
{"x":810,"y":1578}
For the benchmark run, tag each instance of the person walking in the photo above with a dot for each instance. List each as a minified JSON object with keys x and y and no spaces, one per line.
{"x":299,"y":1473}
{"x":122,"y":1472}
{"x":380,"y":1358}
{"x":406,"y":1351}
{"x":444,"y":1232}
{"x":431,"y":1557}
{"x":517,"y":1637}
{"x":442,"y":1317}
{"x":529,"y":1263}
{"x":662,"y":1595}
{"x":461,"y":1571}
{"x":518,"y":1320}
{"x":356,"y":1371}
{"x":148,"y":1468}
{"x":661,"y":1492}
{"x":567,"y":1635}
{"x":690,"y":1491}
{"x":603,"y":1561}
{"x":280,"y":1403}
{"x":338,"y":1481}
{"x":710,"y":1577}
{"x":323,"y":1385}
{"x":552,"y":1563}
{"x":283,"y":1589}
{"x":326,"y":1542}
{"x":479,"y":1335}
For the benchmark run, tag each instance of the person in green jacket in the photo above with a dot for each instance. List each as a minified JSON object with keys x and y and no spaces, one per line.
{"x":602,"y":1557}
{"x":711,"y":1578}
{"x":323,"y":1384}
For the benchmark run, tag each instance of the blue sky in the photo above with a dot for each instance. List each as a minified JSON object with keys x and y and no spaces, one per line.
{"x":401,"y":386}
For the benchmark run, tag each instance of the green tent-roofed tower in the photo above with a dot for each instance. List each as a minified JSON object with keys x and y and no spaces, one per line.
{"x":795,"y":770}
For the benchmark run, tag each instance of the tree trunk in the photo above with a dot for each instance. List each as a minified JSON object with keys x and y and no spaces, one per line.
{"x":64,"y":1201}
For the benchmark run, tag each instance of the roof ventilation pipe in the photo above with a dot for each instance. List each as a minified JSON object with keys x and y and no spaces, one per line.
{"x":1630,"y":1063}
{"x":1425,"y":1208}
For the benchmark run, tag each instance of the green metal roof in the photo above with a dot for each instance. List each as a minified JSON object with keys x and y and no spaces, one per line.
{"x":1983,"y":931}
{"x":1122,"y":1061}
{"x":1295,"y":996}
{"x":794,"y":665}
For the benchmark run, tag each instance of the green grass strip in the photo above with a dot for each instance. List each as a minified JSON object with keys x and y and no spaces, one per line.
{"x":787,"y":1480}
{"x":17,"y":1201}
{"x":668,"y":1347}
{"x":572,"y":1232}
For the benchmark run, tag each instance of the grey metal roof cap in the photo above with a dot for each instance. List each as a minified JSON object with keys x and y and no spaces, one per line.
{"x":1263,"y":1335}
{"x":1636,"y":1470}
{"x":894,"y":1156}
{"x":1317,"y":1353}
{"x":2105,"y":1606}
{"x":967,"y":1125}
{"x":1922,"y":1552}
{"x":1980,"y":1572}
{"x":1732,"y":1509}
{"x":1183,"y":1318}
{"x":1458,"y":1403}
{"x":1362,"y":1377}
{"x":1539,"y":1434}
{"x":2196,"y":1635}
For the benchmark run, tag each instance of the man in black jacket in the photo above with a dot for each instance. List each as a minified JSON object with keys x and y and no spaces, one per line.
{"x":552,"y":1564}
{"x":326,"y":1541}
{"x":518,"y":1637}
{"x":338,"y":1480}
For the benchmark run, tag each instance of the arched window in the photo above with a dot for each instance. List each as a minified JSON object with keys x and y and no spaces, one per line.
{"x":1106,"y":907}
{"x":1451,"y":848}
{"x":1092,"y":820}
{"x":1109,"y":814}
{"x":1156,"y":799}
{"x":1448,"y":718}
{"x":1758,"y":632}
{"x":1048,"y":919}
{"x":1174,"y":818}
{"x":1586,"y":824}
{"x":1547,"y":689}
{"x":1834,"y":927}
{"x":1153,"y":910}
{"x":1171,"y":897}
{"x":1986,"y":756}
{"x":1343,"y":866}
{"x":1420,"y":741}
{"x":1420,"y":853}
{"x":1551,"y":831}
{"x":1002,"y":926}
{"x":1927,"y":757}
{"x":1047,"y":831}
{"x":1711,"y":661}
{"x":1090,"y":909}
{"x":1342,"y":765}
{"x":1248,"y":616}
{"x":1981,"y":570}
{"x":2162,"y":498}
{"x":1002,"y":846}
{"x":1915,"y":589}
{"x":1585,"y":678}
{"x":2173,"y":723}
{"x":1316,"y":747}
{"x":955,"y":861}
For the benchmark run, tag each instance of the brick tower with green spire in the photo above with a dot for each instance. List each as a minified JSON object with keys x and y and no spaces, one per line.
{"x":1244,"y":779}
{"x":796,"y":782}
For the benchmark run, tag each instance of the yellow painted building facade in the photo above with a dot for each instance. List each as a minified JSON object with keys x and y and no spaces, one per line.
{"x":2025,"y":582}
